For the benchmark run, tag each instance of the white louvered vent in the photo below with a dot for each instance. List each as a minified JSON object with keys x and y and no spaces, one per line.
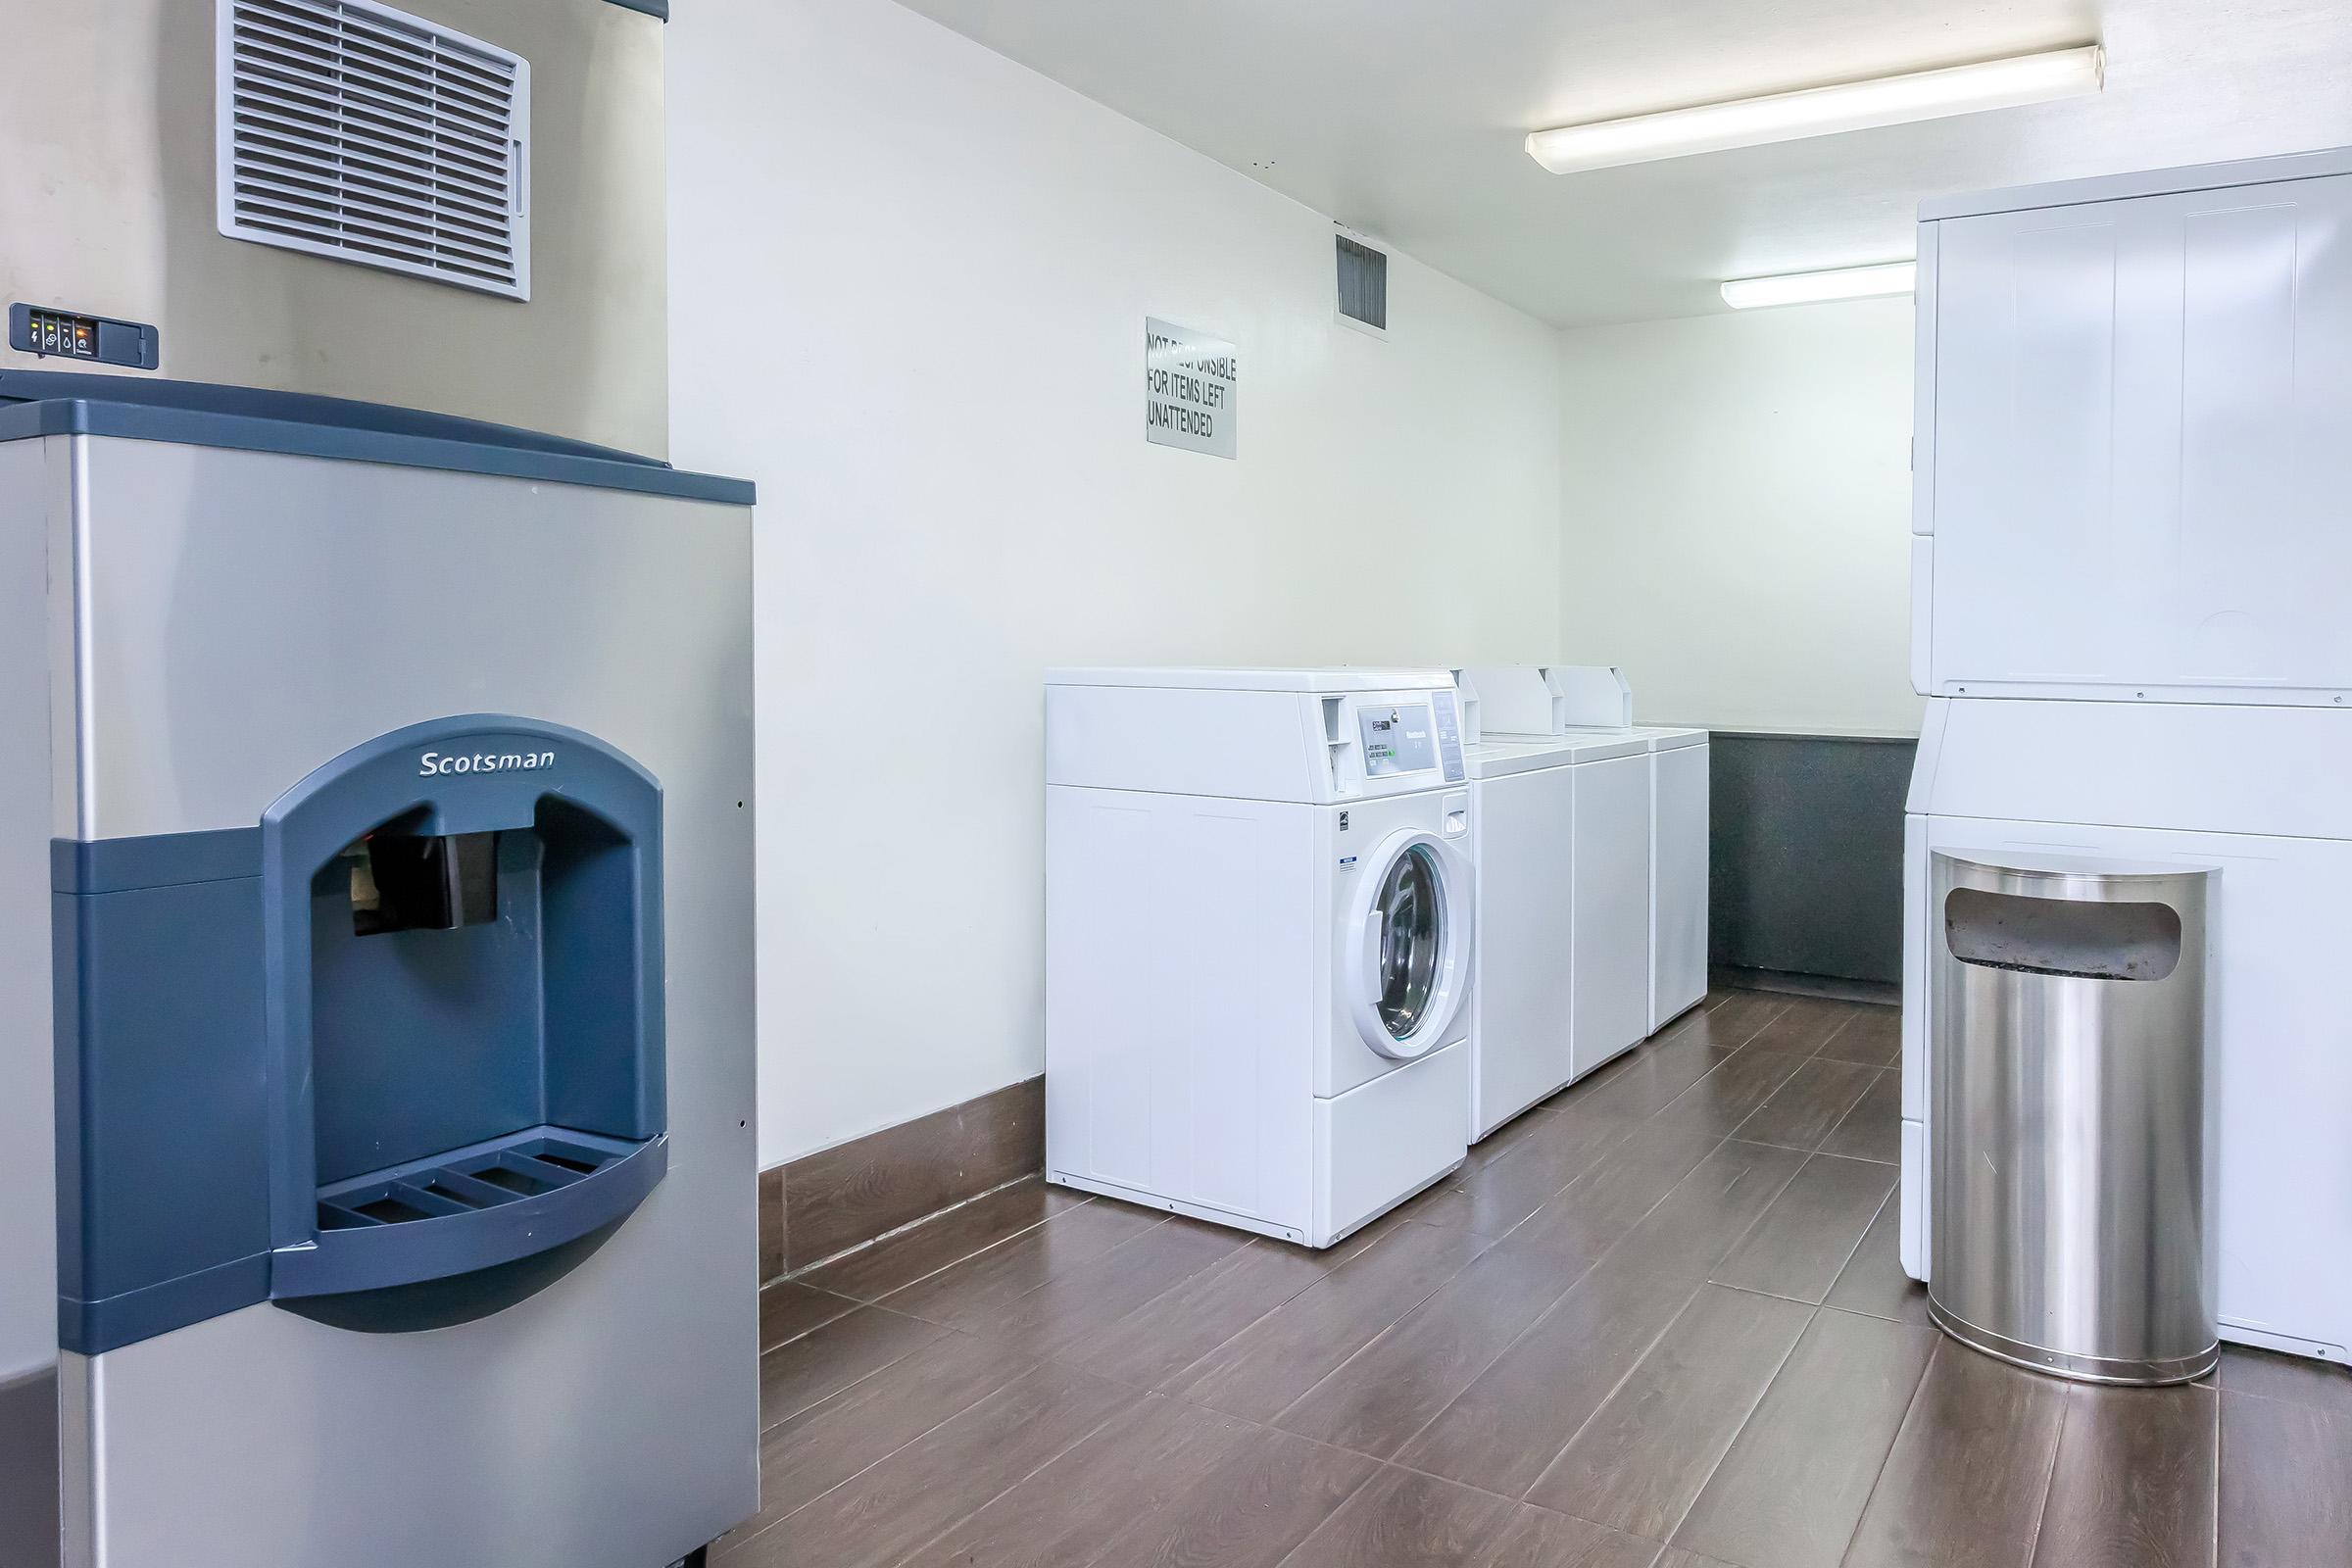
{"x":353,"y":130}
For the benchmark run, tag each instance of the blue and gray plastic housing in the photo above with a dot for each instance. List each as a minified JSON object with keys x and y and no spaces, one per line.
{"x":392,"y":1056}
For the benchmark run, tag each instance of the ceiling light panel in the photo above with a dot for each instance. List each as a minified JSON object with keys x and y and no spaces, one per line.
{"x":1822,"y":110}
{"x":1811,"y":288}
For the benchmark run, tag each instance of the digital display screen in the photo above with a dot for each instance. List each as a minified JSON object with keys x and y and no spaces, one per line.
{"x":1398,"y":739}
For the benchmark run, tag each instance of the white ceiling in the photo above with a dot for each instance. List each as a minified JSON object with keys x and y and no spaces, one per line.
{"x":1404,"y":117}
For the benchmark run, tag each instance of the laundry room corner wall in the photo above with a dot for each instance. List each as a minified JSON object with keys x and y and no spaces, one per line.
{"x":910,"y":279}
{"x":1736,"y":505}
{"x":1735,"y":534}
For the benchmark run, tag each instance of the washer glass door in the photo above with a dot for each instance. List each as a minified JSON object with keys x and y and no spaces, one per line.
{"x":1410,"y":908}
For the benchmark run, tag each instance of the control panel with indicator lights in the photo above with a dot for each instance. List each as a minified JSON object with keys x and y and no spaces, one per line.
{"x":73,"y":335}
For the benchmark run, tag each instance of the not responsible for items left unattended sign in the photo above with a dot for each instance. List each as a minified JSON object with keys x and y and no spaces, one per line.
{"x":1189,"y":382}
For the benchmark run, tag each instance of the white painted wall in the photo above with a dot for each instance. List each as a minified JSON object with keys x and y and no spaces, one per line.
{"x":908,"y":284}
{"x":1736,"y":516}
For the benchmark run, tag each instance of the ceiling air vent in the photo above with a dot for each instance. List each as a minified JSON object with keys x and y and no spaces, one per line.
{"x":353,"y":130}
{"x":1363,"y":284}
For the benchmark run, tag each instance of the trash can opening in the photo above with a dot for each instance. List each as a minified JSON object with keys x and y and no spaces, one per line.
{"x":2079,"y":940}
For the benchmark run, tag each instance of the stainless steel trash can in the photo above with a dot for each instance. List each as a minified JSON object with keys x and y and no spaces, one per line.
{"x":2070,"y":1116}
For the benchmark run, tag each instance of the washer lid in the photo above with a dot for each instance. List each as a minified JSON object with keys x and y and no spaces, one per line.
{"x":1501,"y":758}
{"x":1600,"y":745}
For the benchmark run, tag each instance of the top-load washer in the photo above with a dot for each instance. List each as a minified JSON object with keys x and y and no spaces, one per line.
{"x":1259,"y":925}
{"x":1594,"y":700}
{"x":1560,"y":984}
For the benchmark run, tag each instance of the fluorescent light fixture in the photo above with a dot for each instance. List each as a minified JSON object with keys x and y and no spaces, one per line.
{"x":1822,"y":110}
{"x":1811,"y":288}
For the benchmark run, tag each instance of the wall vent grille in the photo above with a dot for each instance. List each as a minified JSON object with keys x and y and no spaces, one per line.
{"x":349,"y":130}
{"x":1363,"y":284}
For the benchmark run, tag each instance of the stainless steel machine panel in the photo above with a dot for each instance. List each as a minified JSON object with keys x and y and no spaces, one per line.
{"x":234,"y":619}
{"x":107,"y":205}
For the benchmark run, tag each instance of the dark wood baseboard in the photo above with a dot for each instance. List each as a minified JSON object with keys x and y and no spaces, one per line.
{"x":1806,"y":985}
{"x":824,"y":1203}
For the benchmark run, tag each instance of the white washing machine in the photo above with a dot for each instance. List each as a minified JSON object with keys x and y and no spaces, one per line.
{"x":1679,"y":858}
{"x":1258,"y":941}
{"x":1561,"y":972}
{"x":1593,"y":701}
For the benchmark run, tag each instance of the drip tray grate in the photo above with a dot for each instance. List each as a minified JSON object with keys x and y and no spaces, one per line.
{"x":482,"y":1176}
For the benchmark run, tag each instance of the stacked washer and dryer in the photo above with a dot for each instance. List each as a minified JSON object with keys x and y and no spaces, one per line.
{"x":1308,"y":936}
{"x":2128,"y":558}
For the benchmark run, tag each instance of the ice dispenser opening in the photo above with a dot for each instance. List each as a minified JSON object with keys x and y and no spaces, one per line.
{"x":469,"y":1009}
{"x":407,"y":882}
{"x":392,"y":1056}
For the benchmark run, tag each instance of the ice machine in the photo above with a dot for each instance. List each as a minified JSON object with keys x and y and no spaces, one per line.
{"x":375,"y":815}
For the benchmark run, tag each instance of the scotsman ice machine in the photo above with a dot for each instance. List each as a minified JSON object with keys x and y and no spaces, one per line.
{"x":375,"y":831}
{"x":375,"y":803}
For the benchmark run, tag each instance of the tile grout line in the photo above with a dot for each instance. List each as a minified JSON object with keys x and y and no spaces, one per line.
{"x":1812,"y":1316}
{"x":1599,"y":1258}
{"x":966,"y":1517}
{"x":1848,"y":1113}
{"x":1261,"y":1427}
{"x":766,"y":1349}
{"x":1394,"y":1323}
{"x":1522,"y":1146}
{"x":894,"y":1452}
{"x":2327,"y":1414}
{"x":1615,"y":1389}
{"x":1085,"y":1262}
{"x":1548,"y":1307}
{"x":1484,"y":1366}
{"x":1374,"y":1247}
{"x":1660,"y":1113}
{"x":1831,"y":1039}
{"x":1910,"y":1407}
{"x":2049,"y":1478}
{"x":1886,"y":1458}
{"x":2221,"y":1434}
{"x":1876,"y":1214}
{"x":1851,"y":1253}
{"x":870,"y":1243}
{"x":1160,"y":1387}
{"x":1651,"y":1344}
{"x":766,"y":1426}
{"x":1815,"y":1147}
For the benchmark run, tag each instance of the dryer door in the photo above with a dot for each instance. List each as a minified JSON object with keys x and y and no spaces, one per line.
{"x":1408,"y":960}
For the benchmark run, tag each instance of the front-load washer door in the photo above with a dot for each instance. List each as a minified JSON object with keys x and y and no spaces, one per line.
{"x":1407,"y":962}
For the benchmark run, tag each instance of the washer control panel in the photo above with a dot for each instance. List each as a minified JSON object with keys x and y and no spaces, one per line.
{"x":1398,"y":737}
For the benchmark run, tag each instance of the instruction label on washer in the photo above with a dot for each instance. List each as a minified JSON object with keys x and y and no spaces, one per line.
{"x":1190,"y":380}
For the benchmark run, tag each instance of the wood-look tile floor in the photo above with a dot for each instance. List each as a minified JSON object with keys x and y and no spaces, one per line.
{"x":1657,"y":1322}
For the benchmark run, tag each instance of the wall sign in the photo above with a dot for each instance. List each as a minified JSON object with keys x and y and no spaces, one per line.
{"x":1189,"y":380}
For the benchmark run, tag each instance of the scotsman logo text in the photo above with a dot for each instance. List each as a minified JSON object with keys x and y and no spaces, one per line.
{"x":432,"y":762}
